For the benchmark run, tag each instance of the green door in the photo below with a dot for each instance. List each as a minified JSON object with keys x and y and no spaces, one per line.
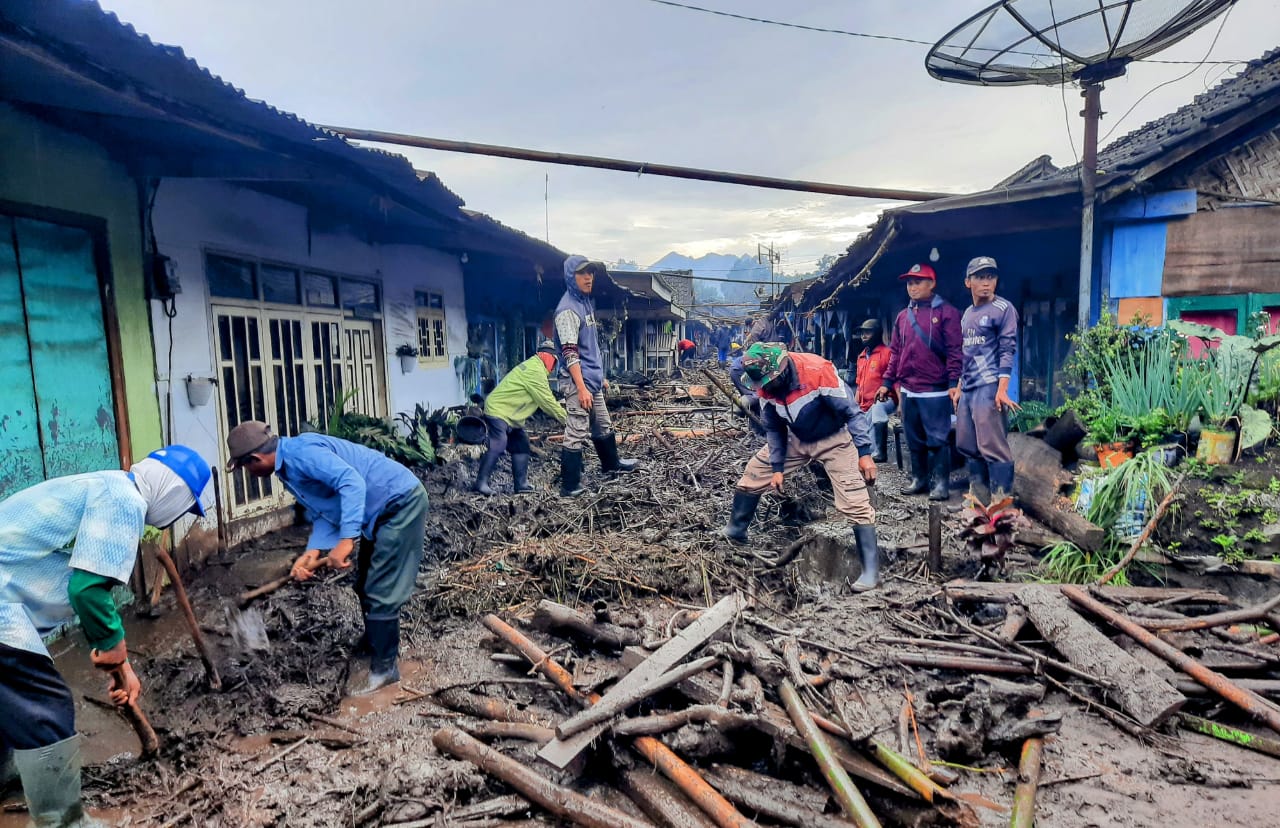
{"x":54,"y":368}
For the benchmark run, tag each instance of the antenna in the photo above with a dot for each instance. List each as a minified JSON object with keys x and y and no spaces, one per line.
{"x":1022,"y":42}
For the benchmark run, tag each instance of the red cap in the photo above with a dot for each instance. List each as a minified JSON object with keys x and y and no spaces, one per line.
{"x":920,"y":271}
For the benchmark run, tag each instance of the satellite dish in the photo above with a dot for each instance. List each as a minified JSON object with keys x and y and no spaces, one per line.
{"x":1020,"y":42}
{"x":1017,"y":42}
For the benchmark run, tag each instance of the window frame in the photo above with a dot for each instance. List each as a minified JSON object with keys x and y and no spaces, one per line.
{"x":426,"y":312}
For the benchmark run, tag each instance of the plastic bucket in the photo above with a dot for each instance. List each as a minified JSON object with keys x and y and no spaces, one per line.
{"x":1217,"y":448}
{"x":471,"y":430}
{"x":1111,"y":455}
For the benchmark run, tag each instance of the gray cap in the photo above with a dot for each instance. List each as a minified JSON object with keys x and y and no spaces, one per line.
{"x":980,"y":263}
{"x":245,"y":439}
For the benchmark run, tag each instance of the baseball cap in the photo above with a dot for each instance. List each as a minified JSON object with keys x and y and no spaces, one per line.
{"x":870,"y":325}
{"x":763,"y":363}
{"x":920,"y":271}
{"x":979,"y":264}
{"x":245,"y":439}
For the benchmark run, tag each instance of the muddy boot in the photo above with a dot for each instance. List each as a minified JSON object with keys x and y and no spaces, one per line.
{"x":51,"y":782}
{"x":919,"y":473}
{"x":570,"y":472}
{"x":744,"y":509}
{"x":487,"y":464}
{"x":607,"y":450}
{"x":383,"y":669}
{"x":880,"y":434}
{"x":864,"y":537}
{"x":940,"y":473}
{"x":979,"y":481}
{"x":520,"y":473}
{"x":1001,"y":478}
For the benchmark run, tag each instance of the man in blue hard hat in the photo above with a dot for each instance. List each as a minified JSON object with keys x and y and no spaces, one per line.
{"x":64,"y":544}
{"x":354,"y":497}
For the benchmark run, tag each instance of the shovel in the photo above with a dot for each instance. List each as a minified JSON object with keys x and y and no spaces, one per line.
{"x":246,"y":624}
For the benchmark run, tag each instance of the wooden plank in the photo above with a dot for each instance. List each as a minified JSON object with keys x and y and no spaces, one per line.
{"x":560,"y":752}
{"x":1139,"y":691}
{"x":1037,"y":484}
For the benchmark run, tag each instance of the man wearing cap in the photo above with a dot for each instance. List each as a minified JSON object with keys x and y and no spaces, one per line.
{"x":351,"y":494}
{"x":521,"y":393}
{"x":872,"y":363}
{"x":925,"y":358}
{"x":809,"y":415}
{"x":990,"y":327}
{"x":582,"y":382}
{"x":64,"y":544}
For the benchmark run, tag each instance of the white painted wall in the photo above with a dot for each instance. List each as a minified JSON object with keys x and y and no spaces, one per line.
{"x":194,"y":216}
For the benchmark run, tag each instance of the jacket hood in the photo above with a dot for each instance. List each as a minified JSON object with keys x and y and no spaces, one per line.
{"x":571,"y":264}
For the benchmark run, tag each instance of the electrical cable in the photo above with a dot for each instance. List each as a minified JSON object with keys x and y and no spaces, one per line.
{"x":1189,"y":72}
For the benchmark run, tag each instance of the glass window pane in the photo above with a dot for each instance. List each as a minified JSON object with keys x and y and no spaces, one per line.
{"x":279,"y":284}
{"x":436,"y":300}
{"x":419,"y":299}
{"x":231,"y":278}
{"x":360,"y":297}
{"x":320,"y":290}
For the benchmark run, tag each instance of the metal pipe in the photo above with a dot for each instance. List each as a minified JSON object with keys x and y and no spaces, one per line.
{"x":637,"y":167}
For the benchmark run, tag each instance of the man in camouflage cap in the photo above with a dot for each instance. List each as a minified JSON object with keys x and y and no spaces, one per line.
{"x":809,"y":415}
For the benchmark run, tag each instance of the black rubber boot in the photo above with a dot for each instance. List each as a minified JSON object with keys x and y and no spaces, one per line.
{"x":570,"y":473}
{"x":1001,"y":478}
{"x":940,"y":473}
{"x":607,"y":449}
{"x":880,"y":433}
{"x":979,"y":481}
{"x":384,"y":669}
{"x":919,"y":473}
{"x":487,"y":464}
{"x":520,"y":473}
{"x":864,"y":537}
{"x":744,"y":509}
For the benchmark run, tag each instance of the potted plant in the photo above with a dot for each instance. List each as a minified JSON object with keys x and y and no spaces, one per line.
{"x":1107,"y":429}
{"x":1225,"y":376}
{"x":408,"y":357}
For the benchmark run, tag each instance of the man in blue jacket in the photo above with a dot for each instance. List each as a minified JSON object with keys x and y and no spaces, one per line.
{"x":351,"y":494}
{"x":582,"y":383}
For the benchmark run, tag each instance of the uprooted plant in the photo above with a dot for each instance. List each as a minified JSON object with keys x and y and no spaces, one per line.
{"x":990,"y":529}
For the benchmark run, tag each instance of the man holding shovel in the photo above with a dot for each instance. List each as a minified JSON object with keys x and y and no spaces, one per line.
{"x":351,"y":494}
{"x":64,"y":544}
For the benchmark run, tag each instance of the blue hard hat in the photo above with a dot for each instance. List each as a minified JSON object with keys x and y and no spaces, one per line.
{"x":189,"y":466}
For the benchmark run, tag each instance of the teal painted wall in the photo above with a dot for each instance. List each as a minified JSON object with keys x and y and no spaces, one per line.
{"x":50,"y":168}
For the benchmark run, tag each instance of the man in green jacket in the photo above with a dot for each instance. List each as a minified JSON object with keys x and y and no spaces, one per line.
{"x":521,"y":393}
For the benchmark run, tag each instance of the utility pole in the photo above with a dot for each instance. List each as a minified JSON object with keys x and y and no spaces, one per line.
{"x":774,"y":257}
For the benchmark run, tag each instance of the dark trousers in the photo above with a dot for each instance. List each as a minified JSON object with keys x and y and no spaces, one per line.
{"x":505,"y":437}
{"x":387,"y":566}
{"x":38,"y":710}
{"x":982,"y":431}
{"x":926,"y":421}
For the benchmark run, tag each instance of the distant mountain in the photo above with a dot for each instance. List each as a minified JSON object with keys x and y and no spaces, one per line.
{"x":718,"y":267}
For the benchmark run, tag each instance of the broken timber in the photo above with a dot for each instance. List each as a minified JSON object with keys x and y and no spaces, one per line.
{"x":1139,"y":691}
{"x":846,"y":793}
{"x":560,"y":752}
{"x":992,"y":593}
{"x":1037,"y":483}
{"x":613,"y":703}
{"x":778,"y":800}
{"x":552,"y":616}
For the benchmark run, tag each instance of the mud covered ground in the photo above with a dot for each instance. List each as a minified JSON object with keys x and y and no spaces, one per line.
{"x":643,"y":545}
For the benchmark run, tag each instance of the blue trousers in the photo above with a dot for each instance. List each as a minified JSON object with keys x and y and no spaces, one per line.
{"x":926,"y":421}
{"x":37,"y":704}
{"x":722,"y":354}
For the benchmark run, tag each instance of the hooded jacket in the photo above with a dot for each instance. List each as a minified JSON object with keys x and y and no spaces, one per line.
{"x":815,"y":405}
{"x":912,"y":362}
{"x":575,"y":324}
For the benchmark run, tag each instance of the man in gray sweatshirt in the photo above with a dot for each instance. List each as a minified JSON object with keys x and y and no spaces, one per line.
{"x":582,"y":383}
{"x":990,"y":330}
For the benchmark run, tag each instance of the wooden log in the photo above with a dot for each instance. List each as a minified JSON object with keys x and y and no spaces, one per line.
{"x":1065,"y":434}
{"x":966,"y":664}
{"x":846,"y":793}
{"x":993,"y":593}
{"x":560,"y":752}
{"x":934,"y":557}
{"x":1218,"y":619}
{"x":613,"y":703}
{"x":560,"y":801}
{"x":489,"y":707}
{"x":1038,"y":483}
{"x":661,"y":801}
{"x":510,"y":730}
{"x":776,"y":799}
{"x":1246,"y":700}
{"x":1139,"y":691}
{"x":552,"y":616}
{"x":724,"y":720}
{"x":1263,"y":687}
{"x":1014,"y":620}
{"x":659,"y":755}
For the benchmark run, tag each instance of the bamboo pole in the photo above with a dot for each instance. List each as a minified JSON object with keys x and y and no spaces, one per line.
{"x":560,"y":801}
{"x":915,"y":778}
{"x":1024,"y":797}
{"x":842,"y":786}
{"x":1242,"y":738}
{"x":662,"y":757}
{"x":1250,"y":702}
{"x":1218,"y":619}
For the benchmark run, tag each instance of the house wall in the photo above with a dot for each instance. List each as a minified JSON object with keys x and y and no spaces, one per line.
{"x":193,"y":217}
{"x":47,"y":168}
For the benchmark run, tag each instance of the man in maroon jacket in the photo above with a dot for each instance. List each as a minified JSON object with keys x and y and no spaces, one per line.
{"x":926,"y":356}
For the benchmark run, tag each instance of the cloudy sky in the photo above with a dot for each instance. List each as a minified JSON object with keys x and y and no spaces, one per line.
{"x":640,"y":80}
